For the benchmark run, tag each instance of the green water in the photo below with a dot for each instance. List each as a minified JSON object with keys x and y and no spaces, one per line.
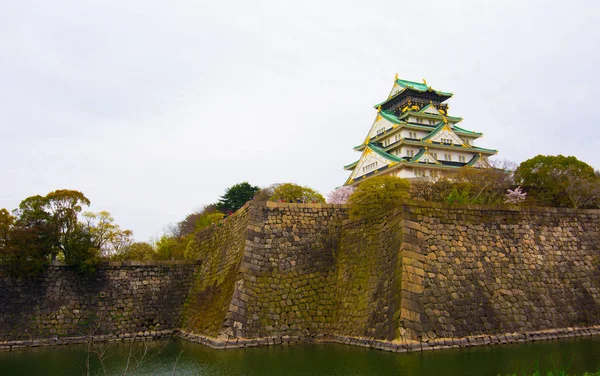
{"x":184,"y":358}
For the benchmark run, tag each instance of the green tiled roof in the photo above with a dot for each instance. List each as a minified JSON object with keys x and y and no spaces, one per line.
{"x":389,"y":117}
{"x":434,"y":132}
{"x":484,"y":149}
{"x":417,"y":86}
{"x":456,"y":128}
{"x":421,"y":87}
{"x":383,"y":153}
{"x":351,"y":165}
{"x":419,"y":155}
{"x":429,"y":116}
{"x":474,"y":160}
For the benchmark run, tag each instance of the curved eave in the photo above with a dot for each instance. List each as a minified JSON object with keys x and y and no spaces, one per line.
{"x":351,"y":166}
{"x":402,"y":125}
{"x":430,"y":116}
{"x":466,"y":132}
{"x":418,"y":87}
{"x":473,"y":149}
{"x":395,"y":166}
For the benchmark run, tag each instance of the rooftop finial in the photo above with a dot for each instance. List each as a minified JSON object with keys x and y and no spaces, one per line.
{"x":425,"y":81}
{"x":396,"y":78}
{"x":379,"y":109}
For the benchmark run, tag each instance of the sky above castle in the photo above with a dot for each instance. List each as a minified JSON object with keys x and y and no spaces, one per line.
{"x":152,"y":109}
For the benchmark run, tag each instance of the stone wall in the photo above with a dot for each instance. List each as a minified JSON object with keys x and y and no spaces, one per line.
{"x":286,"y":284}
{"x":426,"y":276}
{"x":219,"y":249}
{"x":121,"y":298}
{"x":367,"y":281}
{"x":474,"y":271}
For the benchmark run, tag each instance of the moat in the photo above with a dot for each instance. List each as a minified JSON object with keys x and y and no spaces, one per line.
{"x":179,"y":357}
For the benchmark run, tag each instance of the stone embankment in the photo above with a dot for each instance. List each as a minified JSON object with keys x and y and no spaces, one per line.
{"x":422,"y":278}
{"x":123,"y":300}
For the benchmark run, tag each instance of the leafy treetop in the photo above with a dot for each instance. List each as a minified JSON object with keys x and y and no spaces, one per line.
{"x":290,"y":192}
{"x":236,"y":196}
{"x":378,"y":194}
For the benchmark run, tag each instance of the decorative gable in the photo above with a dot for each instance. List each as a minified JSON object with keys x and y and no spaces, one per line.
{"x":445,"y":135}
{"x":380,"y":126}
{"x":480,"y":161}
{"x":369,"y":162}
{"x":395,"y":90}
{"x":429,"y":109}
{"x":424,"y":156}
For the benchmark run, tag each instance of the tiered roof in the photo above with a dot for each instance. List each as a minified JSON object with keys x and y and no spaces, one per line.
{"x":396,"y":113}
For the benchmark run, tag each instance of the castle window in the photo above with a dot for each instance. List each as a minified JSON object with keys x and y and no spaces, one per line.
{"x":431,"y":122}
{"x":380,"y":131}
{"x":410,"y":153}
{"x":448,"y":157}
{"x":434,"y":155}
{"x":369,"y":167}
{"x":420,"y":172}
{"x":420,"y":121}
{"x":461,"y":158}
{"x":412,"y":135}
{"x":447,"y":141}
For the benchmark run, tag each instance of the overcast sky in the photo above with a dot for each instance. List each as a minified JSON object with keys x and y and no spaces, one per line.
{"x":152,"y":109}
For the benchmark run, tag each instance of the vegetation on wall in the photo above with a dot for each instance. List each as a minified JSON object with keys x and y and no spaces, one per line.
{"x":377,"y":194}
{"x":555,"y":181}
{"x":290,"y":192}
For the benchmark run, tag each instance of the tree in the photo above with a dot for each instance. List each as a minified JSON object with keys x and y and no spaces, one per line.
{"x":6,"y":223}
{"x":141,"y":251}
{"x":378,"y":194}
{"x":340,"y":195}
{"x":480,"y":185}
{"x":236,"y":196}
{"x":466,"y":185}
{"x":170,"y":248}
{"x":556,"y":180}
{"x":290,"y":192}
{"x":48,"y":226}
{"x":515,"y":196}
{"x":190,"y":223}
{"x":105,"y":234}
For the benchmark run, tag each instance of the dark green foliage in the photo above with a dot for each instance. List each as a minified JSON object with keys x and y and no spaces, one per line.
{"x":378,"y":194}
{"x":236,"y":196}
{"x":26,"y":253}
{"x":556,"y":180}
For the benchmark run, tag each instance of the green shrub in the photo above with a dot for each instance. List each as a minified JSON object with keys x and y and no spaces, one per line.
{"x":289,"y":192}
{"x":378,"y":194}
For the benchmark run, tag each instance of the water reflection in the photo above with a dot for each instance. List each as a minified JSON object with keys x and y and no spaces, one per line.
{"x":187,"y":358}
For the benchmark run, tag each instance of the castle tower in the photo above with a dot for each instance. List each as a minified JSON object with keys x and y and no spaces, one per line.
{"x":413,"y":136}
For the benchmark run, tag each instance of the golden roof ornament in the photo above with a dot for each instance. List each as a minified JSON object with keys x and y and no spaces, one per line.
{"x":379,"y":109}
{"x":425,"y":82}
{"x":396,"y":78}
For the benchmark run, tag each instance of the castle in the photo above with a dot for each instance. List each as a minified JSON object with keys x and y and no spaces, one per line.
{"x":413,"y":136}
